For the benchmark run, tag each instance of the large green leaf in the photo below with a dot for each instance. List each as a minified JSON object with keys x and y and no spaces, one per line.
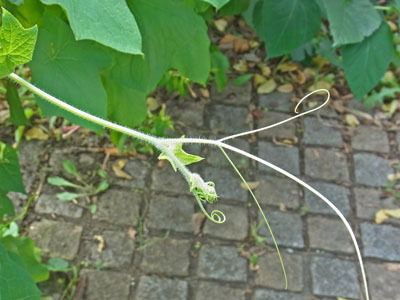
{"x":28,"y":12}
{"x":6,"y":206}
{"x":15,"y":281}
{"x":16,"y":110}
{"x":108,"y":22}
{"x":217,"y":3}
{"x":10,"y":174}
{"x":16,"y":43}
{"x":234,"y":7}
{"x":366,"y":62}
{"x":69,"y":70}
{"x":23,"y":251}
{"x":351,"y":21}
{"x":286,"y":24}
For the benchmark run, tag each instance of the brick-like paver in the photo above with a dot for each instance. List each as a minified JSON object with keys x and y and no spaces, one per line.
{"x":371,"y":169}
{"x":370,"y":138}
{"x":152,"y":287}
{"x":104,"y":285}
{"x":286,"y":158}
{"x":286,"y":130}
{"x":321,"y":132}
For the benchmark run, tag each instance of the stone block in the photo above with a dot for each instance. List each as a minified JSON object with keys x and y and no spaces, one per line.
{"x":208,"y":290}
{"x":152,"y":288}
{"x":283,"y":157}
{"x":186,"y":111}
{"x":322,"y":132}
{"x":48,"y":203}
{"x":138,"y":170}
{"x":232,"y":94}
{"x":370,"y":138}
{"x":383,"y":280}
{"x":277,"y":102}
{"x":264,"y":294}
{"x":371,"y":169}
{"x":165,"y":179}
{"x":286,"y":130}
{"x":216,"y":158}
{"x":228,"y":120}
{"x":105,"y":285}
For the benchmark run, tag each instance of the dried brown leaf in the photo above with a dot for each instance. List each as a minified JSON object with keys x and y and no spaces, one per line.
{"x":285,"y":88}
{"x":117,"y":168}
{"x":36,"y":133}
{"x":351,"y":120}
{"x":252,"y":185}
{"x":100,"y":239}
{"x":267,"y":87}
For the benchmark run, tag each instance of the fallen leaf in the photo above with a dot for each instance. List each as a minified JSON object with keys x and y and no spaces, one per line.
{"x":392,"y":25}
{"x":351,"y":120}
{"x":393,"y":177}
{"x":198,"y":220}
{"x":381,"y":216}
{"x":254,"y":268}
{"x":117,"y":168}
{"x":267,"y":87}
{"x":288,"y":141}
{"x":221,"y":24}
{"x":392,"y":267}
{"x":115,"y":152}
{"x":288,"y":67}
{"x":100,"y":239}
{"x":204,"y":92}
{"x":36,"y":133}
{"x":282,"y":207}
{"x":265,"y":70}
{"x":315,"y":153}
{"x":227,"y":39}
{"x":241,"y":66}
{"x":300,"y":77}
{"x":241,"y":45}
{"x":132,"y":233}
{"x":285,"y":88}
{"x":258,"y":79}
{"x":321,"y":84}
{"x":340,"y":298}
{"x":252,"y":185}
{"x":254,"y":44}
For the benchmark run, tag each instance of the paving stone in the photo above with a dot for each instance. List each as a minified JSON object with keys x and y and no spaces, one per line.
{"x":154,"y":288}
{"x":327,"y":234}
{"x":165,"y":179}
{"x":270,"y":272}
{"x":83,"y":162}
{"x":287,"y":228}
{"x":368,"y":202}
{"x":283,"y":157}
{"x":277,"y":101}
{"x":117,"y":252}
{"x":337,"y":194}
{"x":371,"y":169}
{"x":232,"y":94}
{"x":227,"y":119}
{"x":138,"y":170}
{"x":209,"y":290}
{"x":118,"y":206}
{"x":326,"y":164}
{"x":384,"y":280}
{"x":186,"y":111}
{"x":234,"y":228}
{"x":370,"y":138}
{"x":28,"y":157}
{"x":398,"y":141}
{"x":276,"y":191}
{"x":105,"y":285}
{"x":262,"y":294}
{"x":169,"y":257}
{"x":222,"y":263}
{"x":171,"y":213}
{"x":227,"y":183}
{"x":322,"y":132}
{"x":216,"y":158}
{"x":285,"y":130}
{"x":335,"y":278}
{"x":57,"y":239}
{"x":48,"y":203}
{"x":381,"y":241}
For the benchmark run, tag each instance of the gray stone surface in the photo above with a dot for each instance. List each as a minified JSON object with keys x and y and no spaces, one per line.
{"x":186,"y":111}
{"x":328,"y":234}
{"x":222,"y":263}
{"x":117,"y":252}
{"x":270,"y":272}
{"x":381,"y":241}
{"x":138,"y":170}
{"x":171,"y":213}
{"x":398,"y":140}
{"x":370,"y":138}
{"x":168,"y":257}
{"x":326,"y":164}
{"x":216,"y":158}
{"x":208,"y":290}
{"x":28,"y":155}
{"x":234,"y":228}
{"x":285,"y":130}
{"x":165,"y":179}
{"x":337,"y":194}
{"x":118,"y":206}
{"x":262,"y":294}
{"x":286,"y":158}
{"x":371,"y":169}
{"x":19,"y":201}
{"x":154,"y":288}
{"x":227,"y":119}
{"x":227,"y":183}
{"x":48,"y":203}
{"x":57,"y":239}
{"x":105,"y":285}
{"x":287,"y":228}
{"x":231,"y":94}
{"x":334,"y":277}
{"x":277,"y":101}
{"x":322,"y":132}
{"x":383,"y":280}
{"x":276,"y":191}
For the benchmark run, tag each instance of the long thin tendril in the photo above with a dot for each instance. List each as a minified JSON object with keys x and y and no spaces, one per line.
{"x":262,"y":213}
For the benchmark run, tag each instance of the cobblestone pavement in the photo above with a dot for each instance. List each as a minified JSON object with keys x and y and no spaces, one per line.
{"x":349,"y":166}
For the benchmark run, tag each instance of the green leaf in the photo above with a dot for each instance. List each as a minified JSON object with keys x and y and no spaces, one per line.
{"x":366,"y":62}
{"x":326,"y":50}
{"x":17,"y":2}
{"x":23,"y":251}
{"x":351,"y":21}
{"x":11,"y":230}
{"x":6,"y":206}
{"x":74,"y":68}
{"x":184,"y":157}
{"x":59,"y":181}
{"x":219,"y":66}
{"x":93,"y":208}
{"x":217,"y":3}
{"x":70,"y":167}
{"x":56,"y":264}
{"x":102,"y":186}
{"x":10,"y":174}
{"x":110,"y":23}
{"x":16,"y":110}
{"x":286,"y":24}
{"x":378,"y":98}
{"x":16,"y":43}
{"x":234,"y":7}
{"x":242,"y":79}
{"x":15,"y":281}
{"x":67,"y":196}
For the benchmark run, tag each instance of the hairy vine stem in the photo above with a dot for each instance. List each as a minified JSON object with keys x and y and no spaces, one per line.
{"x":166,"y":145}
